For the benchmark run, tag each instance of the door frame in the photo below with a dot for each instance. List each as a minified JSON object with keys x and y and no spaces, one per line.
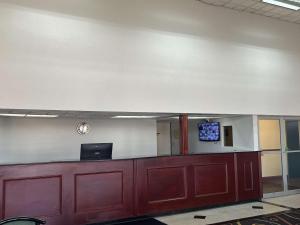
{"x":284,"y":160}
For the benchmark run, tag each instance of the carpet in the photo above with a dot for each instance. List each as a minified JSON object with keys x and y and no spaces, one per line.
{"x":291,"y":217}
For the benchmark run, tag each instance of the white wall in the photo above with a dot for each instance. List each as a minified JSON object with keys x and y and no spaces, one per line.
{"x":43,"y":140}
{"x":242,"y":128}
{"x":90,"y":55}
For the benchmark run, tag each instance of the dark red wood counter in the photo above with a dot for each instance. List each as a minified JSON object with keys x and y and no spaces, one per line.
{"x":78,"y":193}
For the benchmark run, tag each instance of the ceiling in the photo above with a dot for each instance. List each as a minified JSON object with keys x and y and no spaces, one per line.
{"x":118,"y":11}
{"x":86,"y":115}
{"x":82,"y":114}
{"x":258,"y":7}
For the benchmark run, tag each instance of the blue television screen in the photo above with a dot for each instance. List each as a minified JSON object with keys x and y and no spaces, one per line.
{"x":209,"y":131}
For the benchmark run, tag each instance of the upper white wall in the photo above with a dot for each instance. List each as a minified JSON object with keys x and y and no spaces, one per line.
{"x":43,"y":140}
{"x":151,"y":56}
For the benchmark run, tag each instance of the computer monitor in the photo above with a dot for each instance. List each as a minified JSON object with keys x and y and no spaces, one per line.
{"x":96,"y":151}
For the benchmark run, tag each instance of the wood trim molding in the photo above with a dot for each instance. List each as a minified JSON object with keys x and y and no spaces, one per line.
{"x":261,"y":193}
{"x":184,"y":134}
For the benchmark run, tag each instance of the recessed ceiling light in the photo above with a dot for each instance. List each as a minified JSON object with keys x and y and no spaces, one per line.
{"x":291,"y":4}
{"x":134,"y":117}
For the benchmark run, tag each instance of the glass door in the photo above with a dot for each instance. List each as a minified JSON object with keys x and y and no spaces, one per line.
{"x":279,"y":141}
{"x":270,"y":145}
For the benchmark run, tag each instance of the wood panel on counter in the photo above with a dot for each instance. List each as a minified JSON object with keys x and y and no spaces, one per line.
{"x":68,"y":193}
{"x":161,"y":184}
{"x":78,"y":193}
{"x":183,"y":182}
{"x":249,"y":177}
{"x":213,"y":180}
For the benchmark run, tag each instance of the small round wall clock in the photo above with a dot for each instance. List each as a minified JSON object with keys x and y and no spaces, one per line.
{"x":83,"y":128}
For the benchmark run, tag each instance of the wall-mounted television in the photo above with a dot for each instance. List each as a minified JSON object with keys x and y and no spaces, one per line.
{"x":209,"y":131}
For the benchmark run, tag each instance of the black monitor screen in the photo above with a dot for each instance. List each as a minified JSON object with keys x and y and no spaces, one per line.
{"x":96,"y":151}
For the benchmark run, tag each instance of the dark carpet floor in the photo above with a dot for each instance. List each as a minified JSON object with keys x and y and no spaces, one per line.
{"x":291,"y":217}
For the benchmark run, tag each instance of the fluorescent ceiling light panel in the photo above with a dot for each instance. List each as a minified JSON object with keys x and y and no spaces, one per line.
{"x":27,"y":115}
{"x":284,"y":4}
{"x":12,"y":115}
{"x":134,"y":117}
{"x":202,"y":117}
{"x":196,"y":117}
{"x":41,"y":116}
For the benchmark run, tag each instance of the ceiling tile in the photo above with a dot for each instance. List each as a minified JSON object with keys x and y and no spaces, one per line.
{"x":258,"y":7}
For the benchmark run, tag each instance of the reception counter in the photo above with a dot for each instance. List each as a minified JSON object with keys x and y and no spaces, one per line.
{"x":77,"y":193}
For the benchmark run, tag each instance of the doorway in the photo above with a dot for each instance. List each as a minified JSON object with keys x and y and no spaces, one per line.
{"x":270,"y":145}
{"x":163,"y":138}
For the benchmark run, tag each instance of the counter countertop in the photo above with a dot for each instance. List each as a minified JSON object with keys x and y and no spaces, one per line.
{"x":129,"y":158}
